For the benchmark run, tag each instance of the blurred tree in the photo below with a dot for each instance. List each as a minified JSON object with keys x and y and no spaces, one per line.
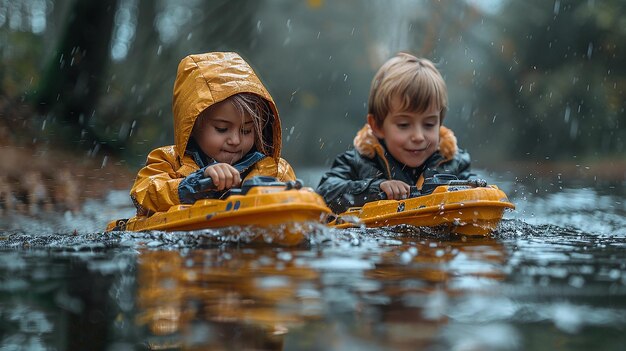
{"x":558,"y":80}
{"x":549,"y":84}
{"x":72,"y":82}
{"x":135,"y":111}
{"x":317,"y":59}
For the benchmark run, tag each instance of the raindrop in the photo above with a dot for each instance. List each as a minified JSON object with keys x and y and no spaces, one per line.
{"x":589,"y":50}
{"x":104,"y":161}
{"x":95,"y":150}
{"x":573,"y":129}
{"x":124,"y":130}
{"x":557,"y":7}
{"x":567,"y":113}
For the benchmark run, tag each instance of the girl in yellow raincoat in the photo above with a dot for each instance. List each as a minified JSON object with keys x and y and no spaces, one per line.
{"x":226,"y":127}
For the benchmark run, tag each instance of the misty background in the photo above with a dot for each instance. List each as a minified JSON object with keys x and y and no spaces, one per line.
{"x":530,"y":82}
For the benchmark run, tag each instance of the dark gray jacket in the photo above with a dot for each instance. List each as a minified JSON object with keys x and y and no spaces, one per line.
{"x":355,"y":176}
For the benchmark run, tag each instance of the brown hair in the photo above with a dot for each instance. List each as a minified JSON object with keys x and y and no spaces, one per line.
{"x":260,"y":112}
{"x":414,"y":80}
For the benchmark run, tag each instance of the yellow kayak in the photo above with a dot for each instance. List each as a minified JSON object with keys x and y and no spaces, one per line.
{"x":464,"y":207}
{"x":284,"y":209}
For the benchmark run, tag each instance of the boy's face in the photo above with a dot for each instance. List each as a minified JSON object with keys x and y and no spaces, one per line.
{"x":410,"y":137}
{"x":224,"y":135}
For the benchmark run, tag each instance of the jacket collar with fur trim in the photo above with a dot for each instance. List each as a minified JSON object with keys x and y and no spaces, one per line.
{"x":368,"y":145}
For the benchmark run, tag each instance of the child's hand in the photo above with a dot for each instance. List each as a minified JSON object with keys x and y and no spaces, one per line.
{"x":395,"y":189}
{"x":223,"y":175}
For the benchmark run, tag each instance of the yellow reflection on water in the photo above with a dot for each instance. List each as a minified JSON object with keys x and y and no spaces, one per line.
{"x":212,"y":298}
{"x":252,"y":297}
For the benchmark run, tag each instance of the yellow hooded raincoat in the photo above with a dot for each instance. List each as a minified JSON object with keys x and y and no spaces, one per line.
{"x":201,"y":81}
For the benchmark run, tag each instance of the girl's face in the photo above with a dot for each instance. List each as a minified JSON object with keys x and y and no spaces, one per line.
{"x":411,"y":137}
{"x":224,"y":134}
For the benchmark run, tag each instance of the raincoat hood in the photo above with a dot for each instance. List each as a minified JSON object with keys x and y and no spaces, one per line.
{"x":205,"y":79}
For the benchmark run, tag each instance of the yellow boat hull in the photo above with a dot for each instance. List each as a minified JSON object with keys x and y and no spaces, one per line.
{"x":282,"y":214}
{"x":468,"y":211}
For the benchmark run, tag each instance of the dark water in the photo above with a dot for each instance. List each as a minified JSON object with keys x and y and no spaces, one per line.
{"x":553,"y":277}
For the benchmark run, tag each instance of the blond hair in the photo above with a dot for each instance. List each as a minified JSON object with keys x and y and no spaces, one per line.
{"x":417,"y":83}
{"x":258,"y":109}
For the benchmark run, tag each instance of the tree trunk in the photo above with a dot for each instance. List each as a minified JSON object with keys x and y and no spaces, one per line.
{"x":72,"y":81}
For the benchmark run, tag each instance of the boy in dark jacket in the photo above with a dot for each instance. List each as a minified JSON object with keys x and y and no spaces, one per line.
{"x":403,"y":141}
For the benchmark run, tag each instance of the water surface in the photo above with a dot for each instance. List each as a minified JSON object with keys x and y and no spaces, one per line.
{"x":553,"y":276}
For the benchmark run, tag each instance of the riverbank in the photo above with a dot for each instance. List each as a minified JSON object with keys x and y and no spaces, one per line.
{"x":36,"y":175}
{"x":36,"y":179}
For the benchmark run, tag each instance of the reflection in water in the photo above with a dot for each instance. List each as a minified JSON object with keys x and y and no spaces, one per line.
{"x":210,"y":299}
{"x":63,"y":301}
{"x":253,"y":298}
{"x":540,"y":282}
{"x":417,"y":279}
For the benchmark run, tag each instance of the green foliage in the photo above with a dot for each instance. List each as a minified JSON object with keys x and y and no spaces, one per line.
{"x":559,"y":79}
{"x":19,"y":71}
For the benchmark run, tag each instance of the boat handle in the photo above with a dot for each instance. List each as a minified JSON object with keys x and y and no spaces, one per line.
{"x":415,"y":192}
{"x":205,"y":184}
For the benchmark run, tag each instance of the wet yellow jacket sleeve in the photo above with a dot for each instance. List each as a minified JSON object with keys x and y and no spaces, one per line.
{"x":156,"y":185}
